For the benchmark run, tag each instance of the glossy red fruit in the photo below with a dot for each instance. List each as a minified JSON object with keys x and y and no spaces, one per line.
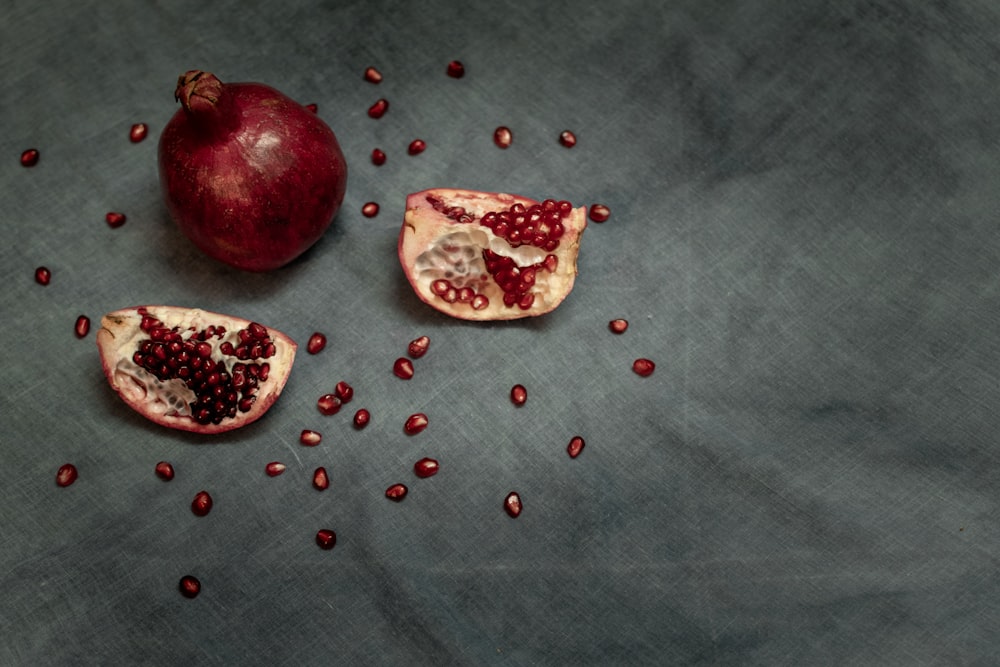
{"x":643,"y":367}
{"x":344,"y":392}
{"x":403,"y":368}
{"x":115,"y":219}
{"x":29,"y":158}
{"x":310,"y":438}
{"x":82,"y":326}
{"x":618,"y":326}
{"x":328,"y":404}
{"x":202,"y":504}
{"x":189,"y":586}
{"x":567,"y":139}
{"x":326,"y":539}
{"x":361,"y":418}
{"x":248,"y":174}
{"x":416,"y":147}
{"x":512,"y":504}
{"x":378,"y":109}
{"x":378,"y":157}
{"x":518,"y":395}
{"x":274,"y":468}
{"x":455,"y":69}
{"x":415,"y":423}
{"x":370,"y":209}
{"x":489,"y":256}
{"x":321,"y":481}
{"x":418,"y":347}
{"x":599,"y":212}
{"x":66,"y":474}
{"x":138,"y":132}
{"x":396,"y":492}
{"x":575,"y":446}
{"x":426,"y":467}
{"x":372,"y":75}
{"x":164,"y":471}
{"x":191,"y":369}
{"x":316,"y":343}
{"x":503,"y":137}
{"x":43,"y":276}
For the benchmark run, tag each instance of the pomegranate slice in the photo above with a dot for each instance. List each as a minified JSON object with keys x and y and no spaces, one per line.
{"x":490,"y":256}
{"x":194,"y":370}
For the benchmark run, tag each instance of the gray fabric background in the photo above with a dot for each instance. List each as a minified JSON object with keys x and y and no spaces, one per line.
{"x":803,"y":236}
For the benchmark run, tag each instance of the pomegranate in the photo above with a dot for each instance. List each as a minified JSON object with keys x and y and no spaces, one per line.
{"x":489,"y":256}
{"x":328,"y":404}
{"x":416,"y":147}
{"x":194,"y":370}
{"x":250,"y":176}
{"x":344,"y":392}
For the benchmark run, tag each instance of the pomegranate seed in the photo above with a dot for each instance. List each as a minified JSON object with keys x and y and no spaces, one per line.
{"x":372,"y":75}
{"x":202,"y":504}
{"x":643,"y":367}
{"x":314,"y":108}
{"x":274,"y":468}
{"x":567,"y":139}
{"x":378,"y":157}
{"x":418,"y":347}
{"x":599,"y":212}
{"x":369,"y":210}
{"x":502,"y":137}
{"x":512,"y":504}
{"x":29,"y":158}
{"x":415,"y":423}
{"x":618,"y":326}
{"x":518,"y":394}
{"x":344,"y":392}
{"x":137,"y":132}
{"x":42,"y":275}
{"x":115,"y":220}
{"x":310,"y":438}
{"x":164,"y":471}
{"x":456,"y":69}
{"x":66,"y":474}
{"x":425,"y":467}
{"x":316,"y":343}
{"x":82,"y":327}
{"x":403,"y":368}
{"x":361,"y":418}
{"x":328,"y":404}
{"x":189,"y":586}
{"x":575,"y":446}
{"x":396,"y":492}
{"x":378,"y":109}
{"x":326,"y":539}
{"x":416,"y":147}
{"x":321,"y":481}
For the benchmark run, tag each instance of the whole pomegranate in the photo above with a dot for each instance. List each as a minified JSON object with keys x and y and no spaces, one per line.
{"x":194,"y":370}
{"x":252,"y":177}
{"x":490,"y":256}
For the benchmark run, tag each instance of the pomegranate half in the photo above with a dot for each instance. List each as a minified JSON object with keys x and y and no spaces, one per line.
{"x":251,"y":176}
{"x":193,"y":370}
{"x":490,"y":256}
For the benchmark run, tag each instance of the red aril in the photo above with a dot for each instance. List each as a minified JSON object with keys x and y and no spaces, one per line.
{"x":599,"y":212}
{"x":164,"y":471}
{"x":403,"y":368}
{"x":361,"y":418}
{"x":328,"y":404}
{"x":426,"y":467}
{"x":512,"y":504}
{"x":490,"y":256}
{"x":66,"y":474}
{"x":29,"y":158}
{"x":415,"y":423}
{"x":321,"y":481}
{"x":455,"y":69}
{"x":43,"y":276}
{"x":249,"y":175}
{"x":312,"y":108}
{"x":115,"y":219}
{"x":82,"y":326}
{"x":567,"y":139}
{"x":378,"y":157}
{"x":191,"y":369}
{"x":518,"y":394}
{"x":643,"y":367}
{"x":189,"y":586}
{"x":310,"y":438}
{"x":416,"y":147}
{"x":575,"y":446}
{"x":316,"y":343}
{"x":344,"y":392}
{"x":502,"y":137}
{"x":372,"y":75}
{"x":138,"y":132}
{"x":370,"y":210}
{"x":202,"y":504}
{"x":326,"y":539}
{"x":274,"y":468}
{"x":378,"y":109}
{"x":418,"y":347}
{"x":396,"y":492}
{"x":618,"y":326}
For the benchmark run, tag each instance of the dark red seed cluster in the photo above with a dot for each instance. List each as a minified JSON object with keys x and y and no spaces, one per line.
{"x":539,"y":225}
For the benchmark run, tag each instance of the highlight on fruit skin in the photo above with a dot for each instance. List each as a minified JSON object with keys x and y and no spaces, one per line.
{"x":490,"y":256}
{"x":194,"y":370}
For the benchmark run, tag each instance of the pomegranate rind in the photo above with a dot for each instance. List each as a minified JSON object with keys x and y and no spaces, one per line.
{"x":118,"y":339}
{"x":426,"y":232}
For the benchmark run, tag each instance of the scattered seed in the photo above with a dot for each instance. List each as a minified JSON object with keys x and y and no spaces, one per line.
{"x":202,"y":504}
{"x":372,"y":75}
{"x":567,"y":139}
{"x":502,"y":137}
{"x":512,"y":504}
{"x":137,"y":132}
{"x":189,"y":586}
{"x":518,"y":394}
{"x":316,"y":343}
{"x":311,"y":438}
{"x":599,"y":212}
{"x":378,"y":109}
{"x":42,"y":275}
{"x":164,"y":471}
{"x":344,"y":392}
{"x":313,"y":107}
{"x":378,"y":157}
{"x":82,"y":327}
{"x":361,"y":418}
{"x":456,"y":69}
{"x":66,"y":474}
{"x":29,"y":158}
{"x":396,"y":492}
{"x":575,"y":446}
{"x":425,"y":467}
{"x":403,"y":368}
{"x":326,"y":539}
{"x":643,"y":367}
{"x":415,"y":423}
{"x":416,"y":147}
{"x":418,"y":347}
{"x":321,"y":481}
{"x":328,"y":404}
{"x":618,"y":326}
{"x":115,"y":219}
{"x":274,"y":468}
{"x":369,"y":210}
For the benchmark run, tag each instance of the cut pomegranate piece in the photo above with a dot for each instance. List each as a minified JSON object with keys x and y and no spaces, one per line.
{"x":502,"y":137}
{"x":274,"y":468}
{"x":115,"y":219}
{"x":567,"y":139}
{"x":599,"y":212}
{"x":321,"y":481}
{"x":189,"y":586}
{"x":618,"y":326}
{"x":518,"y":394}
{"x":396,"y":492}
{"x":416,"y":147}
{"x":643,"y":367}
{"x":138,"y":132}
{"x":512,"y":504}
{"x":310,"y":438}
{"x":403,"y":368}
{"x":378,"y":157}
{"x":66,"y":474}
{"x":378,"y":109}
{"x":415,"y":423}
{"x":370,"y":210}
{"x":456,"y":69}
{"x":328,"y":404}
{"x":361,"y":418}
{"x":326,"y":539}
{"x":418,"y":347}
{"x":202,"y":504}
{"x":82,"y":327}
{"x":426,"y":467}
{"x":575,"y":446}
{"x":194,"y":370}
{"x":164,"y":471}
{"x":29,"y":158}
{"x":488,"y":256}
{"x":316,"y":344}
{"x":43,"y":276}
{"x":372,"y":75}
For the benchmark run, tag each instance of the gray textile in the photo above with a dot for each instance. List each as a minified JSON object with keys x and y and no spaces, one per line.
{"x":803,"y":237}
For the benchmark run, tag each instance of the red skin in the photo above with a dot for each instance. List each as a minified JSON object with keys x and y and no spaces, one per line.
{"x":288,"y":172}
